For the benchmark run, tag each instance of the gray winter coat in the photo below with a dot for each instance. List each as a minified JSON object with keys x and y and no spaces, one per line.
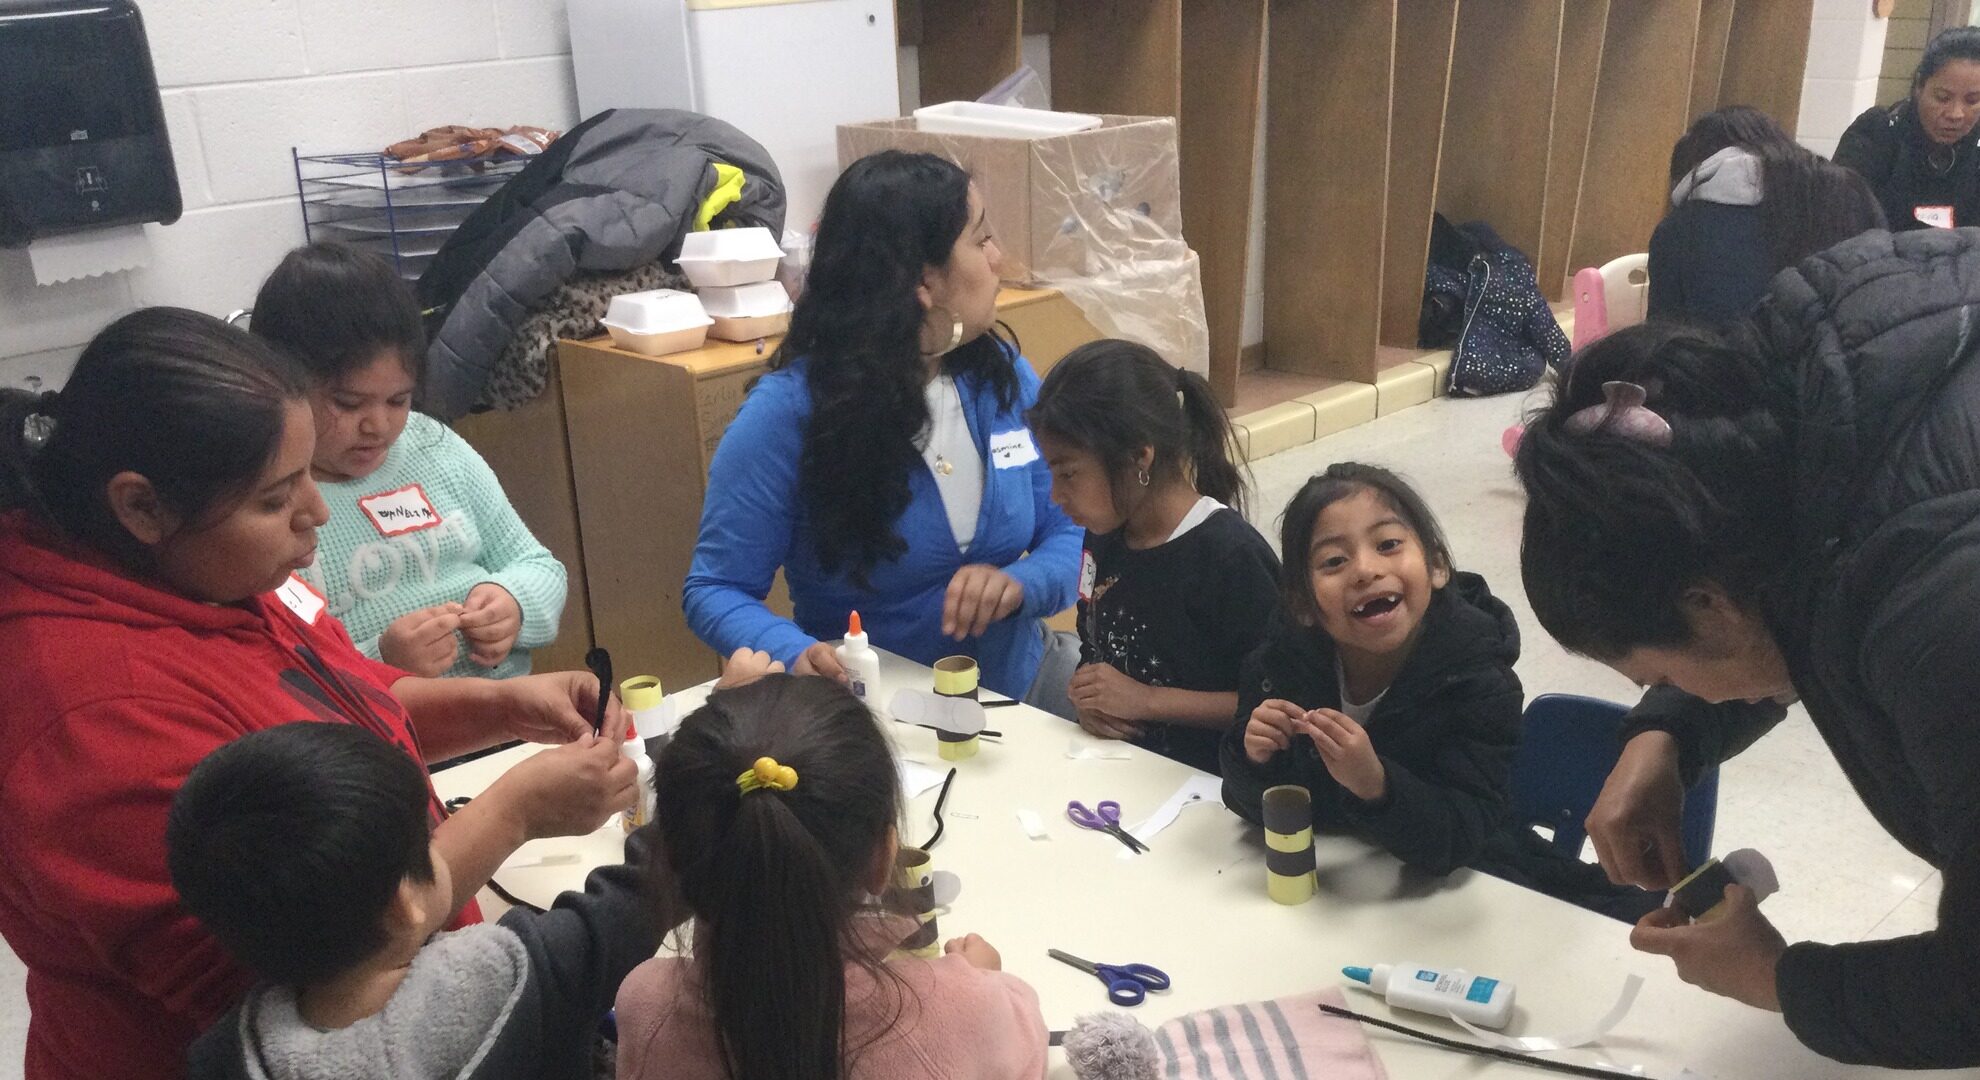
{"x":1875,"y":342}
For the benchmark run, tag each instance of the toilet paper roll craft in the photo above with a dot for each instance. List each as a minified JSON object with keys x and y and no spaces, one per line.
{"x":1701,"y":895}
{"x":925,"y":891}
{"x":958,"y":677}
{"x":1290,"y":874}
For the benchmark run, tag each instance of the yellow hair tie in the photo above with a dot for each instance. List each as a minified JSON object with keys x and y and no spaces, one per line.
{"x":766,"y":773}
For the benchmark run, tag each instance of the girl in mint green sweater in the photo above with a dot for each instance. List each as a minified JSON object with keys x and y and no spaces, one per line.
{"x":423,"y":559}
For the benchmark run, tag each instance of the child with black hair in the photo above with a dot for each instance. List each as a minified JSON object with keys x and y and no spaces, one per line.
{"x":1175,"y":584}
{"x":777,"y":809}
{"x":423,"y":558}
{"x":306,"y":850}
{"x":1387,"y":689}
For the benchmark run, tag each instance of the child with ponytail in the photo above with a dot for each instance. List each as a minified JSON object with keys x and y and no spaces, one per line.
{"x":1176,"y":587}
{"x":777,"y":804}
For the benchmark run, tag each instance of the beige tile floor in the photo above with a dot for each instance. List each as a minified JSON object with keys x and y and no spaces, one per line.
{"x":1843,"y":878}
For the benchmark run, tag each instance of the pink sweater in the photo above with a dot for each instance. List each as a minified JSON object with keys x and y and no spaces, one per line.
{"x":957,"y":1022}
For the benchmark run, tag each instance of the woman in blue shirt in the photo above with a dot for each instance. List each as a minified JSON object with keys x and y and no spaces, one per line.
{"x":883,"y":461}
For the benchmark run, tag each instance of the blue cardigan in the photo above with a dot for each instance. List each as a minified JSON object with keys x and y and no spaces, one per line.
{"x":753,"y":521}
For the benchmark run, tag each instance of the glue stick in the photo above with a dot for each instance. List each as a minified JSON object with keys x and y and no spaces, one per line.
{"x":861,"y":662}
{"x":1477,"y":999}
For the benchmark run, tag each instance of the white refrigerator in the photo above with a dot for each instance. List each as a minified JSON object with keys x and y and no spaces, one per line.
{"x":786,"y":72}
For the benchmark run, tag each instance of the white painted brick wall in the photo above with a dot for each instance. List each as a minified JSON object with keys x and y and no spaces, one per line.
{"x":245,"y":80}
{"x":1845,"y":54}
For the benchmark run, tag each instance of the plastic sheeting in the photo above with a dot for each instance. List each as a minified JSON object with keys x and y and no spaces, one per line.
{"x":1096,"y":214}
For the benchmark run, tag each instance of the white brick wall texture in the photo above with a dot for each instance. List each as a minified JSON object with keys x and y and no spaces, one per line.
{"x":245,"y":80}
{"x":1845,"y":56}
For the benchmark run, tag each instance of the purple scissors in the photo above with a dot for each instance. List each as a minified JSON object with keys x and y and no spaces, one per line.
{"x":1106,"y":818}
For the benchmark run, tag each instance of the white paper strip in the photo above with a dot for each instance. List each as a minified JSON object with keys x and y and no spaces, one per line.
{"x":1033,"y":825}
{"x":1541,"y":1044}
{"x":1079,"y":750}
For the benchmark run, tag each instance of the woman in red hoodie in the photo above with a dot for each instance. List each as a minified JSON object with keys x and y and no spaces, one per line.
{"x":151,"y":517}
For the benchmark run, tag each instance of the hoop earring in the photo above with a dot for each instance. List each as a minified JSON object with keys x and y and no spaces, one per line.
{"x":955,"y":331}
{"x":1142,"y":477}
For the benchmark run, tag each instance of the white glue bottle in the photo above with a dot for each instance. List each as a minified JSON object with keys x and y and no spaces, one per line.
{"x":646,"y":704}
{"x":1485,"y":1002}
{"x":861,"y":662}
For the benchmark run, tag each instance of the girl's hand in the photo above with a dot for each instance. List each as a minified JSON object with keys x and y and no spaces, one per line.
{"x":1347,"y":753}
{"x":569,"y":790}
{"x":975,"y":950}
{"x":1271,"y":729}
{"x":422,"y":642}
{"x":822,"y":660}
{"x":490,"y":621}
{"x":1733,"y":955}
{"x":1103,"y":688}
{"x":979,"y":594}
{"x":1635,"y":821}
{"x":745,"y":666}
{"x":1102,"y":726}
{"x":557,"y":708}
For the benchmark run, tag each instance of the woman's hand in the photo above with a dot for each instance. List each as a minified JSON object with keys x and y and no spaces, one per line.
{"x":745,"y":666}
{"x":1102,"y":726}
{"x":1347,"y":752}
{"x":1103,"y":688}
{"x":822,"y":659}
{"x":422,"y":642}
{"x":1635,"y":823}
{"x":490,"y":621}
{"x":979,"y":595}
{"x":975,"y":950}
{"x":1732,"y":955}
{"x":1271,"y":729}
{"x":557,"y":708}
{"x":568,"y":790}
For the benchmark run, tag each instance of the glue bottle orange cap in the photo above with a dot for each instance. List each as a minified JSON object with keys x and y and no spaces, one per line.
{"x":852,"y":625}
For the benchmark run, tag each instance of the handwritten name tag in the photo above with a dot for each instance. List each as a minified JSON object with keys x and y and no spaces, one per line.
{"x":297,"y":596}
{"x":1938,"y":217}
{"x":1088,"y":573}
{"x":394,"y":513}
{"x":1012,"y":449}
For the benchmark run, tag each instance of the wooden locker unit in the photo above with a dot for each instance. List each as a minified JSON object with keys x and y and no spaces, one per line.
{"x":1708,"y":55}
{"x":1641,"y":105}
{"x":1223,"y":44}
{"x":967,"y":46}
{"x":1425,"y":37}
{"x":1496,"y":127}
{"x":1117,"y":56}
{"x":1766,"y":57}
{"x":1583,"y":25}
{"x":1329,"y":72}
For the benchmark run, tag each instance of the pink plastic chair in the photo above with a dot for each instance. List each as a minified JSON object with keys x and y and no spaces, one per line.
{"x":1610,"y":297}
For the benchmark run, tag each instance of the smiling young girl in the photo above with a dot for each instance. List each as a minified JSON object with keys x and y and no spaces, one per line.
{"x":423,"y":558}
{"x":1387,"y":689}
{"x":1176,"y":584}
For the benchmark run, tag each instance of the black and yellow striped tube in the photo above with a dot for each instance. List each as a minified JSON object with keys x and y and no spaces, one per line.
{"x":1289,"y":868}
{"x":914,"y":876}
{"x":956,"y":676}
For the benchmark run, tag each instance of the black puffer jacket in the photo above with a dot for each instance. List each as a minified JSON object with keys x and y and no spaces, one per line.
{"x":1889,"y":148}
{"x":1875,"y":343}
{"x":1445,"y":731}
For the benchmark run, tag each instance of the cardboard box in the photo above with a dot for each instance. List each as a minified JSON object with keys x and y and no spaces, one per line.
{"x":1053,"y":203}
{"x":642,"y":431}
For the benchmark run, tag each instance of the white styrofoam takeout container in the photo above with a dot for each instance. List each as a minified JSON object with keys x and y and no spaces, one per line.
{"x":748,"y":312}
{"x":657,"y":322}
{"x":720,"y":258}
{"x":999,"y":121}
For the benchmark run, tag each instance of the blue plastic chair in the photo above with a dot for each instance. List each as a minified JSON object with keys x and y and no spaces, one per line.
{"x":1567,"y":747}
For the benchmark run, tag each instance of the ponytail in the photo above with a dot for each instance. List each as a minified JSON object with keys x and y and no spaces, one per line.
{"x":1114,"y":398}
{"x":777,"y":879}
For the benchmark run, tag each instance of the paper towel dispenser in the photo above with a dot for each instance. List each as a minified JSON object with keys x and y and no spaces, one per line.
{"x":82,"y":133}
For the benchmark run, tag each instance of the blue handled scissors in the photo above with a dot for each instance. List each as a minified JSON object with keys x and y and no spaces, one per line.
{"x":1104,"y":817}
{"x":1127,"y":984}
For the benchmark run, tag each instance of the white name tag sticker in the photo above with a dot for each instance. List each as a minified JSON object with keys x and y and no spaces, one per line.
{"x":1088,"y":572}
{"x":1938,"y":217}
{"x":1012,"y":449}
{"x":395,"y":513}
{"x":298,"y":597}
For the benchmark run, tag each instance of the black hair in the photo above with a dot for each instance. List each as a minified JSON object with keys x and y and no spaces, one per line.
{"x":180,"y":398}
{"x":1112,"y":398}
{"x":335,"y":307}
{"x":1954,"y":43}
{"x":1617,"y":529}
{"x":289,"y":844}
{"x":888,"y":218}
{"x":1343,"y":480}
{"x":1807,"y":204}
{"x":776,"y":879}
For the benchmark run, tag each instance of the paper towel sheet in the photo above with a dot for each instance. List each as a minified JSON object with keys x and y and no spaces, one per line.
{"x":72,"y":256}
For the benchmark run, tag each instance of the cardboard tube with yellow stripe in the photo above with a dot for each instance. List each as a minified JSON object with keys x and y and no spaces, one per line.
{"x":1289,"y":868}
{"x":914,"y":875}
{"x":956,"y":676}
